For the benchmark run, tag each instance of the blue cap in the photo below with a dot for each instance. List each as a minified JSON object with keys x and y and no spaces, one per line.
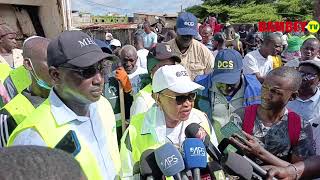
{"x":187,"y":24}
{"x":227,"y":67}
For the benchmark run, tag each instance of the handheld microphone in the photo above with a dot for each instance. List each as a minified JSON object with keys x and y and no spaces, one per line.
{"x":169,"y":160}
{"x":227,"y":145}
{"x":194,"y":130}
{"x":194,"y":155}
{"x":236,"y":164}
{"x":216,"y":170}
{"x":148,"y":166}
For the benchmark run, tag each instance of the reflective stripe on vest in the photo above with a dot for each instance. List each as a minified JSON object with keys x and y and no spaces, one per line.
{"x":20,"y":78}
{"x":44,"y":123}
{"x":4,"y":71}
{"x":19,"y":108}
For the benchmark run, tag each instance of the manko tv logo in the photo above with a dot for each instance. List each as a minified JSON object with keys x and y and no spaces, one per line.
{"x":288,"y":26}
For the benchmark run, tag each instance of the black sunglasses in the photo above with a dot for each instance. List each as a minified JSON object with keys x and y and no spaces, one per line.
{"x":181,"y":99}
{"x":87,"y":72}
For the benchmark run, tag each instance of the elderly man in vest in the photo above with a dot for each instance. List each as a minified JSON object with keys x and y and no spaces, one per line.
{"x":174,"y":94}
{"x":75,"y":117}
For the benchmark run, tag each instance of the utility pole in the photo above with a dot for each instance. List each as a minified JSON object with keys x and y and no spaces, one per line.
{"x":181,"y":8}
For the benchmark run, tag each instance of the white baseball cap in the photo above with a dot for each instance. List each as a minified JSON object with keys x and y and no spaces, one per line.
{"x":174,"y":78}
{"x":115,"y":42}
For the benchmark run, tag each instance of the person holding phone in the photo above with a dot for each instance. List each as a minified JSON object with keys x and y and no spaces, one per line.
{"x":75,"y":117}
{"x":277,"y":129}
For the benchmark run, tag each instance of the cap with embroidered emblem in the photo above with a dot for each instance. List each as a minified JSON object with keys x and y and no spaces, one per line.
{"x":76,"y":48}
{"x":174,"y":78}
{"x":187,"y":24}
{"x":228,"y":67}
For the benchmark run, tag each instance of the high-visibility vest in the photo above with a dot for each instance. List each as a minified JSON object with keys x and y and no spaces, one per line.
{"x":141,"y":142}
{"x":44,"y":123}
{"x":19,"y":108}
{"x":20,"y":78}
{"x":145,"y":93}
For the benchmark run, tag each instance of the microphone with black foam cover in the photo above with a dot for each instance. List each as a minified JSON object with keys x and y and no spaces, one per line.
{"x":194,"y":130}
{"x":226,"y":146}
{"x":216,"y":170}
{"x":169,"y":160}
{"x":235,"y":164}
{"x":194,"y":155}
{"x":148,"y":166}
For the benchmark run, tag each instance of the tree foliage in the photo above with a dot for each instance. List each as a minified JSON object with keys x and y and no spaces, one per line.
{"x":252,"y":11}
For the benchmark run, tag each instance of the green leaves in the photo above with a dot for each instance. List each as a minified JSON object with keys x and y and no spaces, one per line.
{"x":252,"y":11}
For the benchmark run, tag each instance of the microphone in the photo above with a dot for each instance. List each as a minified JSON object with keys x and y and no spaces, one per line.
{"x":194,"y":130}
{"x":235,"y":164}
{"x":169,"y":160}
{"x":216,"y":171}
{"x":227,"y":145}
{"x":194,"y":155}
{"x":148,"y":166}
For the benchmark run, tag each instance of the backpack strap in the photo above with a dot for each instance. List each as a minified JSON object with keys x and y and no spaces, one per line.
{"x":294,"y":127}
{"x":250,"y":114}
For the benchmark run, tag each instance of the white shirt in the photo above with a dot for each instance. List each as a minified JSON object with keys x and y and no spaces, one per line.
{"x":254,"y":62}
{"x":142,"y":58}
{"x":90,"y":128}
{"x":315,"y":124}
{"x":308,"y":109}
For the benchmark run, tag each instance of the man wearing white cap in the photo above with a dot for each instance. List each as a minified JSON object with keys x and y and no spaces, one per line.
{"x":174,"y":94}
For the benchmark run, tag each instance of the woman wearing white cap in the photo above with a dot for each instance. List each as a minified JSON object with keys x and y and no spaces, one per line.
{"x":174,"y":93}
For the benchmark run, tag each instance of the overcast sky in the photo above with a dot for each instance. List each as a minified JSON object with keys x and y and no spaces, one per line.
{"x":130,"y":6}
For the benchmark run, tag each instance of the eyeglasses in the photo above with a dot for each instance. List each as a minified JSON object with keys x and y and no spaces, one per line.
{"x":87,"y":72}
{"x":181,"y":99}
{"x":308,"y":76}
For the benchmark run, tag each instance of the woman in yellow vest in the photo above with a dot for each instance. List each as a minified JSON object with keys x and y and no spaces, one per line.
{"x":158,"y":56}
{"x":75,"y":117}
{"x":174,"y":94}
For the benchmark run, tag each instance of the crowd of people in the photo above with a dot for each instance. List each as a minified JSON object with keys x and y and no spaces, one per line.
{"x":106,"y":103}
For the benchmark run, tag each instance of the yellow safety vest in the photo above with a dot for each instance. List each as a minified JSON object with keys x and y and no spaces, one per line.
{"x":145,"y":93}
{"x":141,"y":142}
{"x":19,"y":108}
{"x":4,"y":71}
{"x":44,"y":123}
{"x":20,"y":78}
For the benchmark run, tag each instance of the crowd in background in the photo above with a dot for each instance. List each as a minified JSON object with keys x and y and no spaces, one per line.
{"x":106,"y":102}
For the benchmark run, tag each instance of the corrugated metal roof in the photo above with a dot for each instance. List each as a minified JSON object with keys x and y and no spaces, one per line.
{"x":158,"y":14}
{"x":110,"y":26}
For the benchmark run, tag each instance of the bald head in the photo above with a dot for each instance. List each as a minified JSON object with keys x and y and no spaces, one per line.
{"x":35,"y":58}
{"x":128,"y":56}
{"x":35,"y":48}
